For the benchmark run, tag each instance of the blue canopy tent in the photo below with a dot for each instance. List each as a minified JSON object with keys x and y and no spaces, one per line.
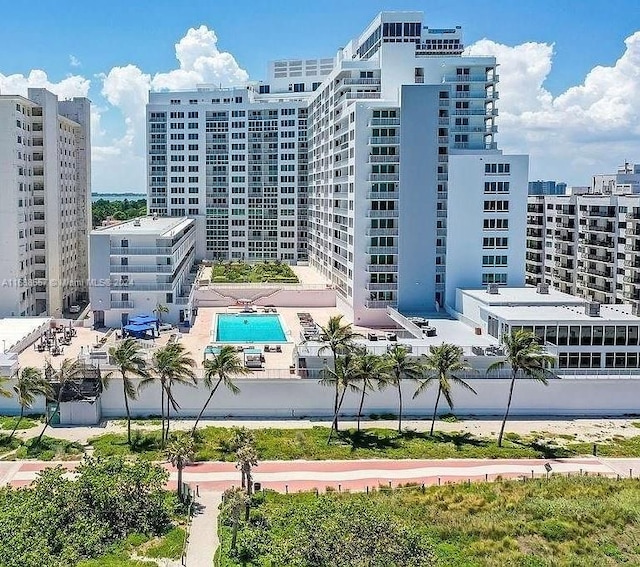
{"x":139,"y":330}
{"x":143,"y":319}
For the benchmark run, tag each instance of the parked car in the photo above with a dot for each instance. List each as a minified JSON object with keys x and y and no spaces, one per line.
{"x":74,"y":309}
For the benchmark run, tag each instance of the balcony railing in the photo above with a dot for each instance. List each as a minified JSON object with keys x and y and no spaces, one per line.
{"x":384,"y":140}
{"x":384,"y":177}
{"x":384,"y":159}
{"x":381,"y":286}
{"x":382,"y":250}
{"x":381,"y":232}
{"x":146,"y":268}
{"x":149,"y":251}
{"x":380,"y":304}
{"x":382,"y":214}
{"x":122,"y":305}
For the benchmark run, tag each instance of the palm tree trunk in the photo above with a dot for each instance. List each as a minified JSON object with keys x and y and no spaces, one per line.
{"x":364,"y":391}
{"x":335,"y":373}
{"x":506,"y":413}
{"x":48,"y":421}
{"x":180,"y":481}
{"x":334,"y":425}
{"x":126,"y":407}
{"x":162,"y":413}
{"x":168,"y":413}
{"x":435,"y":410}
{"x":204,"y":407}
{"x":15,"y":427}
{"x":399,"y":405}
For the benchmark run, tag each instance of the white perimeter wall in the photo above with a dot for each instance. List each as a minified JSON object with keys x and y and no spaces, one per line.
{"x":299,"y":397}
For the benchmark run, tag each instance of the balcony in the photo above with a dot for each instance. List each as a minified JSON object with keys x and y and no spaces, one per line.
{"x":633,"y":279}
{"x":382,"y":195}
{"x":609,"y":227}
{"x":361,"y":81}
{"x":142,"y":251}
{"x":376,"y":304}
{"x":470,"y":78}
{"x":381,"y":232}
{"x":382,"y":214}
{"x":599,"y":213}
{"x":384,"y":122}
{"x":383,"y":140}
{"x":381,"y":286}
{"x":384,"y":159}
{"x":376,"y":268}
{"x":358,"y":96}
{"x":599,"y":242}
{"x":607,"y":258}
{"x":604,"y":288}
{"x":384,"y":176}
{"x":122,"y":305}
{"x":142,"y":286}
{"x":141,"y":269}
{"x":382,"y":250}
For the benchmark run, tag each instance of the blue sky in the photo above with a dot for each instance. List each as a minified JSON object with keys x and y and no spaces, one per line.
{"x":141,"y":34}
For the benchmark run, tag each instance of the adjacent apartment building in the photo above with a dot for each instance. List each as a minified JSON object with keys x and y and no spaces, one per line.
{"x":140,"y":267}
{"x":45,"y":180}
{"x":379,"y":167}
{"x":588,"y":244}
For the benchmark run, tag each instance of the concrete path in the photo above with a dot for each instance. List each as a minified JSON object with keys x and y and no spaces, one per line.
{"x":203,"y":539}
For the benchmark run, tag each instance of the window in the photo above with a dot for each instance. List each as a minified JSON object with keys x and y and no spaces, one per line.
{"x":497,"y":206}
{"x":497,"y":168}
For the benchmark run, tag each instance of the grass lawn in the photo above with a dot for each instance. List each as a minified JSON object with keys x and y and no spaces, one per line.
{"x":8,"y":422}
{"x":579,"y":521}
{"x":240,"y":272}
{"x":214,"y":444}
{"x":169,"y":546}
{"x":50,"y":449}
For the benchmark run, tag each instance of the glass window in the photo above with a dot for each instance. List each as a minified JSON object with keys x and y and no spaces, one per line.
{"x":563,"y":334}
{"x":597,"y":335}
{"x":633,"y":336}
{"x":632,"y":360}
{"x":620,"y":360}
{"x":621,"y":335}
{"x":574,"y":335}
{"x":539,"y":332}
{"x":552,"y":335}
{"x":585,"y":360}
{"x":609,"y":335}
{"x":574,"y":359}
{"x":596,"y":360}
{"x":585,"y":336}
{"x":608,"y":360}
{"x":527,"y":329}
{"x":562,"y":360}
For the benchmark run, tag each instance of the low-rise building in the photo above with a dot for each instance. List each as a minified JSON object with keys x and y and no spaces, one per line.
{"x":139,"y":267}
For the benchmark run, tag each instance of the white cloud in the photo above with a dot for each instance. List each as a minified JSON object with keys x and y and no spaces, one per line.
{"x":70,"y":86}
{"x":74,"y":61}
{"x":590,"y":128}
{"x":126,"y":88}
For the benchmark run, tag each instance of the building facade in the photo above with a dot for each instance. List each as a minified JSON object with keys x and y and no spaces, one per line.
{"x":394,"y":132}
{"x":585,"y":245}
{"x":45,"y":179}
{"x":547,"y":188}
{"x":359,"y":165}
{"x":139,"y":265}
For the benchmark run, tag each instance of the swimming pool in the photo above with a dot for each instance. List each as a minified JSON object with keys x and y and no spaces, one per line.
{"x":249,"y":328}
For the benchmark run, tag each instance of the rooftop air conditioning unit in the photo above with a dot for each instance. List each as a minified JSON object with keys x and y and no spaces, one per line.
{"x":543,"y":288}
{"x":492,"y":288}
{"x":136,"y":222}
{"x":592,"y":308}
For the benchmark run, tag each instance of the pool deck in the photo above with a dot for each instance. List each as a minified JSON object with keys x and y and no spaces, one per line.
{"x":199,"y":336}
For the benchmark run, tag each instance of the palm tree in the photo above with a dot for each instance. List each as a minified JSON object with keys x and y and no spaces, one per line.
{"x":441,"y":362}
{"x":247,"y":458}
{"x":344,"y":377}
{"x":372,"y":368}
{"x":127,"y":358}
{"x":337,"y":338}
{"x":160,"y":310}
{"x":180,"y":453}
{"x":29,"y":384}
{"x":234,"y":500}
{"x":524,"y":355}
{"x":3,"y":391}
{"x":220,"y":370}
{"x":170,"y":365}
{"x":402,"y":367}
{"x":66,"y":375}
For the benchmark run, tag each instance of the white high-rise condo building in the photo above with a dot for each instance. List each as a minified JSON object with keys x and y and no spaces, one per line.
{"x":378,"y":166}
{"x":45,"y":179}
{"x":586,"y":245}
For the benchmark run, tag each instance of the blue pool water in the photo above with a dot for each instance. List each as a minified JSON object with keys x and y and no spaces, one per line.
{"x":249,"y":328}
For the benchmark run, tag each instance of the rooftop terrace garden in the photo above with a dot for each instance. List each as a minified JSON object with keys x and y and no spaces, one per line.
{"x":262,"y":272}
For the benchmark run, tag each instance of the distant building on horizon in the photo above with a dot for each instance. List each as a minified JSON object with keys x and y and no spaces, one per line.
{"x":45,"y":218}
{"x":547,"y":188}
